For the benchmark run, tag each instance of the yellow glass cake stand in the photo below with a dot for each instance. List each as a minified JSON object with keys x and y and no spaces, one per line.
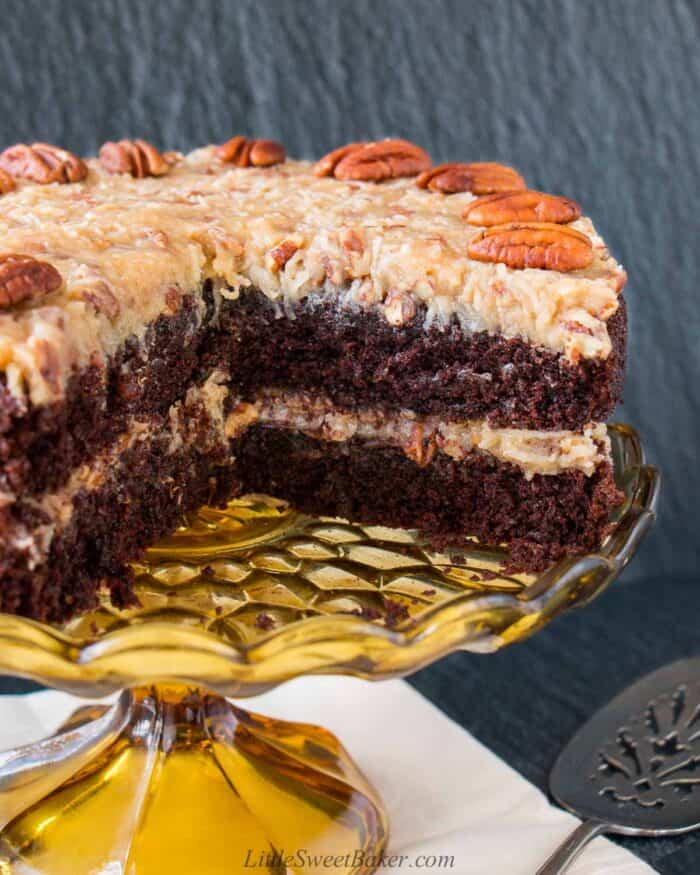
{"x":174,"y":778}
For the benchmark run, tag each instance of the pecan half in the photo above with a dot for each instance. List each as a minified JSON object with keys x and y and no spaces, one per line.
{"x":7,"y":183}
{"x":577,"y":327}
{"x":281,"y":254}
{"x":251,"y":153}
{"x":23,"y":277}
{"x":42,"y":163}
{"x":352,"y":241}
{"x":102,"y":299}
{"x":136,"y":157}
{"x":536,"y":244}
{"x":326,"y":166}
{"x":479,"y":177}
{"x":421,"y":445}
{"x":399,"y":308}
{"x":521,"y":206}
{"x":374,"y":162}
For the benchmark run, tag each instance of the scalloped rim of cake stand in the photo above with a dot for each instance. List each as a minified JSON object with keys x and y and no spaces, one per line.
{"x":339,"y":644}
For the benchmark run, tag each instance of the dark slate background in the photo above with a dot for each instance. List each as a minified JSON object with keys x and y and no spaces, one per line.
{"x":595,"y":99}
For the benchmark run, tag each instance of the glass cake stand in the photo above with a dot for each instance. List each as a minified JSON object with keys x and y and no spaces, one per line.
{"x":172,"y":777}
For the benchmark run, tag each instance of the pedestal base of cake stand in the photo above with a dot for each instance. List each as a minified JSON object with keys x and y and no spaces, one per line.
{"x":171,"y":779}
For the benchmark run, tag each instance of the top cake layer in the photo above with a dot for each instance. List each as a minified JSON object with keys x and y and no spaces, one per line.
{"x":129,"y":249}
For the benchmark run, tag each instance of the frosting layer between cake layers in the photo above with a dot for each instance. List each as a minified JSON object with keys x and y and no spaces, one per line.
{"x":210,"y":445}
{"x":208,"y":418}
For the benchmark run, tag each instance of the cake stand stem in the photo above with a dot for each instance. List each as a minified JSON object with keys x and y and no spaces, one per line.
{"x":172,"y":779}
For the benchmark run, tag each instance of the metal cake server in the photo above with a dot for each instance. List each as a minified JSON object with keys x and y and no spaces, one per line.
{"x":634,"y":768}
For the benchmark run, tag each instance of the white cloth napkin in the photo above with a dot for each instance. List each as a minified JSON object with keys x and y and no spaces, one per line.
{"x":446,"y":794}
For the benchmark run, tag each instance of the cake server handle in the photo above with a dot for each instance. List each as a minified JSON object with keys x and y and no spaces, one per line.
{"x":572,"y":846}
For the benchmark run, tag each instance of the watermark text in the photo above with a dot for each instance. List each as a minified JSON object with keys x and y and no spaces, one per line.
{"x":303,"y":858}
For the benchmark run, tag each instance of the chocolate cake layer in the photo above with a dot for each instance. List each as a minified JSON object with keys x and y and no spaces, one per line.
{"x":541,"y":519}
{"x":353,"y":356}
{"x":40,"y":446}
{"x":359,"y":360}
{"x":143,"y":499}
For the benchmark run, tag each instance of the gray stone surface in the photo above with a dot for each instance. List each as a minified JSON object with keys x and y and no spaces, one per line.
{"x":596,"y":99}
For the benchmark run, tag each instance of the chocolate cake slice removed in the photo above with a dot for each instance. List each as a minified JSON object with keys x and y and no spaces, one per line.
{"x":369,"y":337}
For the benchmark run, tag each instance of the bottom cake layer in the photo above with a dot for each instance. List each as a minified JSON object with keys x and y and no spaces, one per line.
{"x":142,"y":499}
{"x":142,"y":496}
{"x":541,"y":519}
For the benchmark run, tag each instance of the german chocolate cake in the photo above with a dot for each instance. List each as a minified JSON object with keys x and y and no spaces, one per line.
{"x":370,"y":337}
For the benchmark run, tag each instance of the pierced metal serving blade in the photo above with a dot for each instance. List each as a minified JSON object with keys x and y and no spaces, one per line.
{"x":634,"y":768}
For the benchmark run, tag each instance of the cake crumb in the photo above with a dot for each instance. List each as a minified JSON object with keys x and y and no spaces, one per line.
{"x":396,"y":613}
{"x":264,"y":622}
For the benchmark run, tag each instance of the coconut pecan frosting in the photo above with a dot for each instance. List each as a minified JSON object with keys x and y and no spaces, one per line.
{"x":373,"y":223}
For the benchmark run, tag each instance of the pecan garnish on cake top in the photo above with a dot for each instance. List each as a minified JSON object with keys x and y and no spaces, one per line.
{"x":23,"y":277}
{"x":374,"y":162}
{"x":7,"y":183}
{"x":521,"y":206}
{"x":478,"y":177}
{"x":541,"y":245}
{"x":42,"y":163}
{"x":136,"y":157}
{"x":244,"y":152}
{"x":326,"y":166}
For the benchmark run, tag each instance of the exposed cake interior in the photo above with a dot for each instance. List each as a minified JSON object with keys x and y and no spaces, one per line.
{"x":220,"y":331}
{"x":545,"y":493}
